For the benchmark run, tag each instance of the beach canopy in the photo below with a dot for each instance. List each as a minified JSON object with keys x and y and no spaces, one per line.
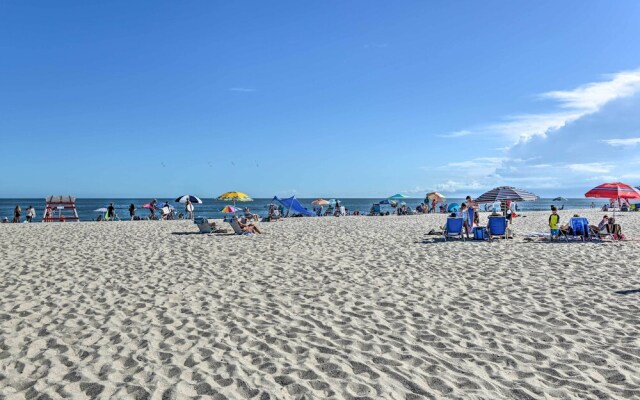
{"x":436,"y":196}
{"x":504,"y":193}
{"x":615,"y":190}
{"x":387,"y":201}
{"x":559,"y":199}
{"x":292,"y":204}
{"x":183,"y":199}
{"x":398,"y":196}
{"x":235,"y":196}
{"x":320,"y":202}
{"x":228,"y":209}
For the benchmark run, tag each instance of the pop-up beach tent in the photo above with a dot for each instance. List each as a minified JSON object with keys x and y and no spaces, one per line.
{"x":60,"y":209}
{"x":294,"y":205}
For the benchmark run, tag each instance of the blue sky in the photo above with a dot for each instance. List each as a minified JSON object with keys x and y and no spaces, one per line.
{"x":348,"y":99}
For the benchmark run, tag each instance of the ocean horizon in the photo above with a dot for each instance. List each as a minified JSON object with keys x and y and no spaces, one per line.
{"x":211,"y":207}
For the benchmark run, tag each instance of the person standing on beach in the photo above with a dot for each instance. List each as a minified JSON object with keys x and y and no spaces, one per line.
{"x":152,"y":208}
{"x":17,"y":212}
{"x":132,"y":211}
{"x":554,"y":224}
{"x":111,"y":212}
{"x":31,"y":214}
{"x":188,"y":208}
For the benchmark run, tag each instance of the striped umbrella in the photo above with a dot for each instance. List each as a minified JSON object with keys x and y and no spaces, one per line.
{"x":614,"y":191}
{"x":183,"y":199}
{"x":504,"y":193}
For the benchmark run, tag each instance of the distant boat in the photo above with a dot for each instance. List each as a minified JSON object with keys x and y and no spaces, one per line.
{"x":559,"y":199}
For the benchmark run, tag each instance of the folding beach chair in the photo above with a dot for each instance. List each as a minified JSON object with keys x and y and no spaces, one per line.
{"x":580,"y":228}
{"x":497,"y":226}
{"x":236,"y":227}
{"x":453,"y":228}
{"x":203,"y":224}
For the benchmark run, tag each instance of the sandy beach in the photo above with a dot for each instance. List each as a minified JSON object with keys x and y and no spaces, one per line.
{"x":350,"y":307}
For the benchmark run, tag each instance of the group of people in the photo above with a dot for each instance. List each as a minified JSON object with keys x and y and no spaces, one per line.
{"x":156,"y":212}
{"x":606,"y":226}
{"x":17,"y":215}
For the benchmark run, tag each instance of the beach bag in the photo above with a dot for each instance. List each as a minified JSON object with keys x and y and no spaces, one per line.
{"x":480,"y":233}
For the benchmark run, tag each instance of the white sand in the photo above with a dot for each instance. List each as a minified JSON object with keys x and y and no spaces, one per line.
{"x":364,"y":307}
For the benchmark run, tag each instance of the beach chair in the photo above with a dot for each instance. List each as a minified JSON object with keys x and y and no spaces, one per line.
{"x":236,"y":227}
{"x":580,"y":228}
{"x":203,"y":224}
{"x":453,"y":229}
{"x":375,"y":209}
{"x":497,"y":226}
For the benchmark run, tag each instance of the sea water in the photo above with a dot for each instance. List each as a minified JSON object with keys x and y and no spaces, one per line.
{"x":211,"y":208}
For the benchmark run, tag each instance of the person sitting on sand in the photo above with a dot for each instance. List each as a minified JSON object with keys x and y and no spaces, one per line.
{"x":5,"y":220}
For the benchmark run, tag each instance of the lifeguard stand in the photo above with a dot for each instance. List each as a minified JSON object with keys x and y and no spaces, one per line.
{"x":60,"y":209}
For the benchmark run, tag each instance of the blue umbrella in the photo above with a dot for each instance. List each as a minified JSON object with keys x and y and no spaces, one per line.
{"x":385,"y":201}
{"x":453,"y":207}
{"x":398,"y":196}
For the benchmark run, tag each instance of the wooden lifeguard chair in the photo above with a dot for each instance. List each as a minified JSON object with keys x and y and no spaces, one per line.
{"x":60,"y":209}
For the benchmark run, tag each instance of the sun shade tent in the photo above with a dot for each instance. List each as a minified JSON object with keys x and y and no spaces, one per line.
{"x":292,"y":204}
{"x":60,"y":209}
{"x":504,"y":193}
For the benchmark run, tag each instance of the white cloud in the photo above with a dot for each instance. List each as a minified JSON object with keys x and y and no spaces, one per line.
{"x":573,"y":105}
{"x":455,"y":134}
{"x":628,"y":142}
{"x":591,"y":97}
{"x":596,"y":168}
{"x":241,"y":89}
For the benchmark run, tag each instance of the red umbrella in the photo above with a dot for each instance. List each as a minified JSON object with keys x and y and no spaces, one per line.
{"x":615,"y":190}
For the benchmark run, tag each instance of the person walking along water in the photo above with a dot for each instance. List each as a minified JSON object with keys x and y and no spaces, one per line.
{"x":31,"y":213}
{"x":132,"y":211}
{"x":16,"y":214}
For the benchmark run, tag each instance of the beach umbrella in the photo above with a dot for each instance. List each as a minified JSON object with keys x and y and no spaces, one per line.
{"x":436,"y":196}
{"x":183,"y":199}
{"x":614,"y":191}
{"x":235,"y":196}
{"x":148,"y":205}
{"x":228,"y":209}
{"x":559,"y":199}
{"x":398,"y":196}
{"x":320,"y":202}
{"x":101,"y":210}
{"x":505,"y":193}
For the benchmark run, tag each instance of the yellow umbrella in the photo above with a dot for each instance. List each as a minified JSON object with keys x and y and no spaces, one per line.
{"x":437,"y":196}
{"x":235,"y":196}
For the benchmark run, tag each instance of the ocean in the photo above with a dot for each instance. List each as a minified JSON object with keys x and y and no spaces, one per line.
{"x":211,"y":207}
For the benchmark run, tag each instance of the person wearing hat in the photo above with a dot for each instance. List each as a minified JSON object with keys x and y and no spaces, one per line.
{"x":554,"y":223}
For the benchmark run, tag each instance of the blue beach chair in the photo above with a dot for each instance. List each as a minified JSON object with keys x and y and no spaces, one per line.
{"x":453,"y":228}
{"x":497,"y":226}
{"x":580,"y":228}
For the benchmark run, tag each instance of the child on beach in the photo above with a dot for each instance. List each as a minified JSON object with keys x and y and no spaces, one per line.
{"x":554,"y":222}
{"x":464,"y":213}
